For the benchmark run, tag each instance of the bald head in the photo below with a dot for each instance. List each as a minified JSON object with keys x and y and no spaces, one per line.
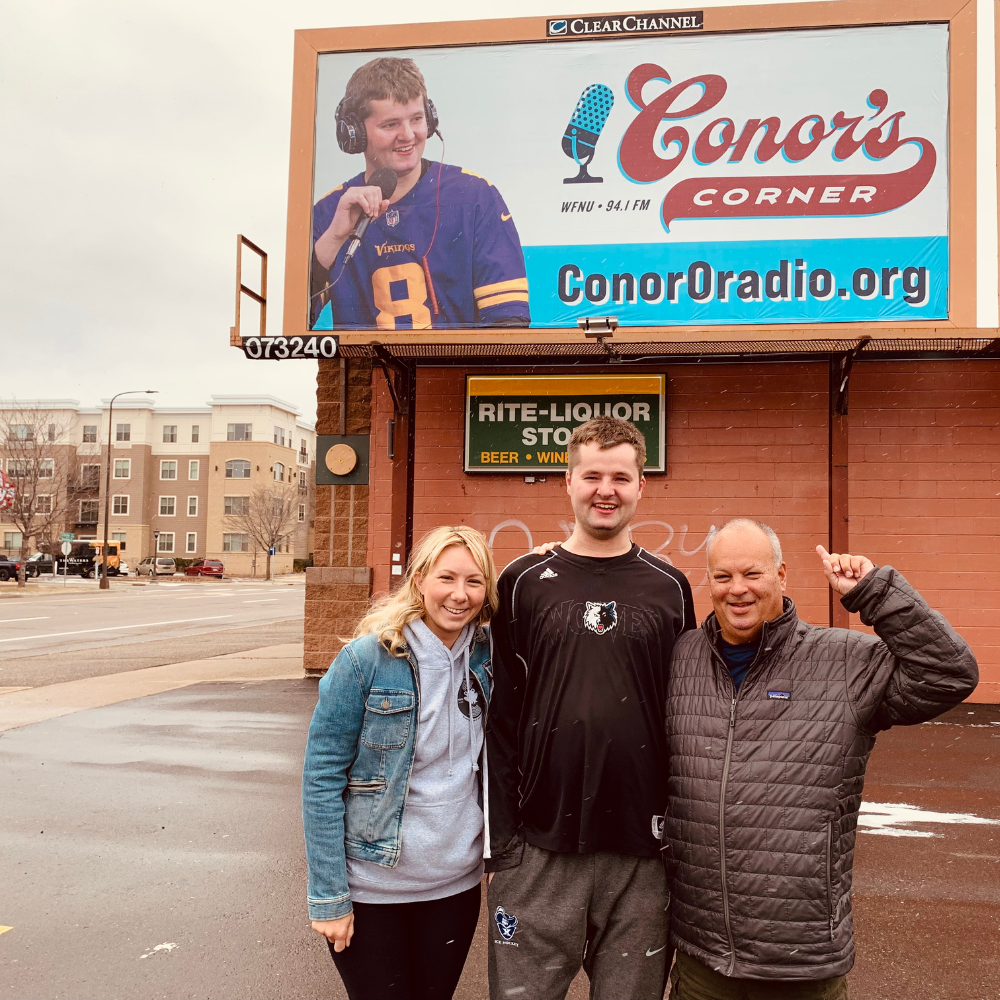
{"x":746,"y":577}
{"x":748,"y":527}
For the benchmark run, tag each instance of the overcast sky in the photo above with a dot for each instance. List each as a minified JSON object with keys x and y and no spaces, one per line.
{"x":138,"y":139}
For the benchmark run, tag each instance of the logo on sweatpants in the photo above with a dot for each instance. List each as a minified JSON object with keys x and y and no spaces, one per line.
{"x":506,"y":923}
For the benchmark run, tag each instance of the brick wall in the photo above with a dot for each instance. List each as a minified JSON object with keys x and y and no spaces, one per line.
{"x":338,"y":586}
{"x":925,"y":489}
{"x":746,"y":440}
{"x":752,"y":440}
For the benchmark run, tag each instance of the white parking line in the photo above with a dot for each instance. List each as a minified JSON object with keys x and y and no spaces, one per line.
{"x":114,"y":628}
{"x":5,"y":621}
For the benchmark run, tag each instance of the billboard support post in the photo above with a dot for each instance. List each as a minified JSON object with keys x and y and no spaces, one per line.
{"x":241,"y":289}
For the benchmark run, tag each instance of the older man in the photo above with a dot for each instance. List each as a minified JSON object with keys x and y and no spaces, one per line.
{"x":771,"y":722}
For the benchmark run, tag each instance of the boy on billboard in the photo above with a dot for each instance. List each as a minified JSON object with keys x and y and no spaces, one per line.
{"x":441,"y":251}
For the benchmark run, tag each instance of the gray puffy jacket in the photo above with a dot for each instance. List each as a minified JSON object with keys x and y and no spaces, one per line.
{"x":765,"y":785}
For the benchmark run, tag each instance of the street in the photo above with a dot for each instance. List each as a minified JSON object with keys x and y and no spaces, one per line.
{"x":47,"y":637}
{"x":153,"y":848}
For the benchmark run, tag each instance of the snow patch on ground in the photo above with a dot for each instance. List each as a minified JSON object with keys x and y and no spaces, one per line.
{"x":892,"y":819}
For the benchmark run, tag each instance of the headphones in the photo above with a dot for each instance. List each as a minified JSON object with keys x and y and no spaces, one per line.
{"x":352,"y":137}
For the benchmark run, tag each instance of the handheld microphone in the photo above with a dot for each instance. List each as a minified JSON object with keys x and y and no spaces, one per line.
{"x":385,"y":178}
{"x":580,"y":138}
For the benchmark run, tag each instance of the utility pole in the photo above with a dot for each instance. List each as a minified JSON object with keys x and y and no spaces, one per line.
{"x":107,"y":485}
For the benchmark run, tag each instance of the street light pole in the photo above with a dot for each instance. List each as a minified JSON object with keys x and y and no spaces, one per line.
{"x":107,"y":485}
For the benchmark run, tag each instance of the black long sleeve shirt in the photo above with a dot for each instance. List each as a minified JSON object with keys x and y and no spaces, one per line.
{"x":576,"y":749}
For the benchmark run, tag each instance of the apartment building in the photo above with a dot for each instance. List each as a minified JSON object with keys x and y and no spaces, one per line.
{"x":181,"y":477}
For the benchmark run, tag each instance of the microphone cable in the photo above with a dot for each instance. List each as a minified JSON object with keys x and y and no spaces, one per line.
{"x":437,"y":217}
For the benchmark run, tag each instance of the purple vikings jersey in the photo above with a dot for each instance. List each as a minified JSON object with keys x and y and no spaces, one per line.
{"x":476,"y":263}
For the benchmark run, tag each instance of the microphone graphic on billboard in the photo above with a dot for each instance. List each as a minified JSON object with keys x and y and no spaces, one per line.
{"x":581,"y":135}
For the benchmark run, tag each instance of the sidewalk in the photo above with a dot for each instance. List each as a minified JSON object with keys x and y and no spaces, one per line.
{"x":28,"y":706}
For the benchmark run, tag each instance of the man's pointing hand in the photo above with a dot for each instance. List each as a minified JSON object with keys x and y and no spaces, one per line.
{"x":844,"y":571}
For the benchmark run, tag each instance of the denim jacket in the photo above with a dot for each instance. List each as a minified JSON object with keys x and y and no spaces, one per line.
{"x":358,"y":762}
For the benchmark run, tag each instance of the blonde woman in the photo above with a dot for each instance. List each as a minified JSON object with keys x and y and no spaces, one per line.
{"x":391,"y":790}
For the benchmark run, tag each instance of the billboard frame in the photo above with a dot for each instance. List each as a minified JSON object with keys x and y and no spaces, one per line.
{"x":967,"y":308}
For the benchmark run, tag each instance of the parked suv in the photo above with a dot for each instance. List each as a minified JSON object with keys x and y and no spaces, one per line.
{"x":206,"y":567}
{"x":160,"y":565}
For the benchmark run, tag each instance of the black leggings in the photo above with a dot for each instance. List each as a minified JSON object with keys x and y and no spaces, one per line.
{"x":409,"y":951}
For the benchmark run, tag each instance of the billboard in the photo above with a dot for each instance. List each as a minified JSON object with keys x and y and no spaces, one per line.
{"x":770,"y":177}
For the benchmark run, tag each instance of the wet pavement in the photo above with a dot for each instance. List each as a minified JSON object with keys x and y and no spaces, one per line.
{"x":153,"y":848}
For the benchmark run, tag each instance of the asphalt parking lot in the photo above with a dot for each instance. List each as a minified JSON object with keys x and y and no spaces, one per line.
{"x":153,"y":848}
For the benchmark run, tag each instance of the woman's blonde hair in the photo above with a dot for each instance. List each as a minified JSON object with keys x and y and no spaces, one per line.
{"x":387,"y":616}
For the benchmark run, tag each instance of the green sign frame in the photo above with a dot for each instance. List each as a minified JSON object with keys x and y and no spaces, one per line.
{"x":522,"y":423}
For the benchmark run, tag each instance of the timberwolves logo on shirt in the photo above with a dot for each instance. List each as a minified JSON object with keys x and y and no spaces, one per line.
{"x":468,"y":701}
{"x":600,"y":618}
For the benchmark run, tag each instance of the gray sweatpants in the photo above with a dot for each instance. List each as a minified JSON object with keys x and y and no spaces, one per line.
{"x":556,"y":912}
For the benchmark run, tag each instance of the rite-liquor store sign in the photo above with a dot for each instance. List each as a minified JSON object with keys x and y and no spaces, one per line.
{"x":523,"y":423}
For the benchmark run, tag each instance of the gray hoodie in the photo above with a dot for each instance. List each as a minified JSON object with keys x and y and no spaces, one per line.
{"x":442,"y":833}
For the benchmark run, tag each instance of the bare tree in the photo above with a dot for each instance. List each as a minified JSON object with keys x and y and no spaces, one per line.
{"x":40,"y":462}
{"x":269,"y":516}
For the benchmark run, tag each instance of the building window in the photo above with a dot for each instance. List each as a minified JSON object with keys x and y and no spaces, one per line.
{"x":237,"y":468}
{"x":21,"y":432}
{"x":239,"y":432}
{"x":123,"y":432}
{"x":279,"y":472}
{"x":192,"y":542}
{"x":170,"y":433}
{"x":119,"y":537}
{"x":165,"y":543}
{"x":168,"y":506}
{"x":195,"y":433}
{"x":235,"y":543}
{"x":17,"y":467}
{"x":123,"y":468}
{"x":119,"y":504}
{"x":237,"y":506}
{"x":168,"y":470}
{"x":302,"y":482}
{"x":52,"y":432}
{"x":90,"y":476}
{"x":88,"y":511}
{"x":47,"y":468}
{"x":302,"y":513}
{"x":90,"y":433}
{"x":303,"y":452}
{"x":12,"y":539}
{"x":194,"y":469}
{"x":192,"y":506}
{"x":43,"y":504}
{"x":279,"y":436}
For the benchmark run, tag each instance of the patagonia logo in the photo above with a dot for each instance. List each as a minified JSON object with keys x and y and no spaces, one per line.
{"x":780,"y":695}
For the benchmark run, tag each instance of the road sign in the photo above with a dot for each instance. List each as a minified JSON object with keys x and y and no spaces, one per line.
{"x":66,"y":548}
{"x":67,"y":536}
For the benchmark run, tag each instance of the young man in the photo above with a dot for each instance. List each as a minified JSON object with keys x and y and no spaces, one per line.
{"x":442,"y":250}
{"x":577,"y":755}
{"x":771,"y":722}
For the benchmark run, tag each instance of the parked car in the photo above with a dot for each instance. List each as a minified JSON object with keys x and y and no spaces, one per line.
{"x":37,"y":564}
{"x":9,"y":568}
{"x":206,"y":567}
{"x":160,"y":565}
